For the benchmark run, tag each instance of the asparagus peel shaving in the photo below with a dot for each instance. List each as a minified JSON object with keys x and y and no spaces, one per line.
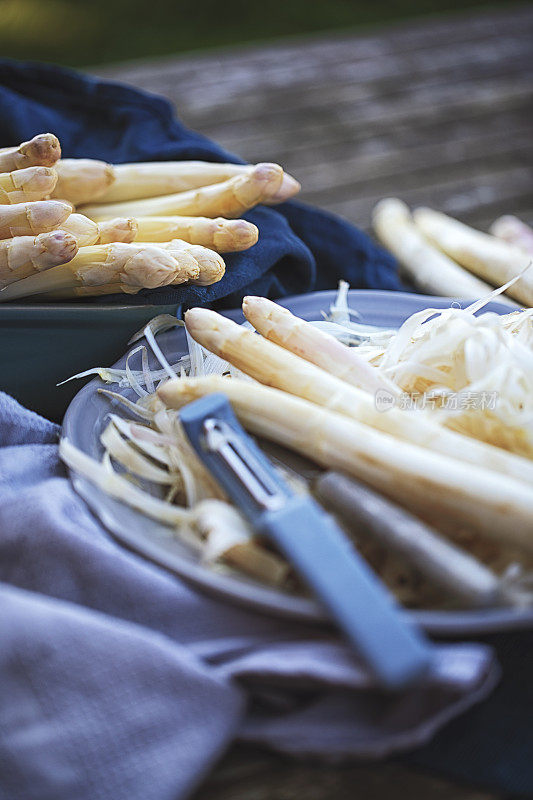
{"x":222,"y":235}
{"x":43,"y":150}
{"x":451,"y":354}
{"x":270,"y":364}
{"x":230,"y":198}
{"x":487,"y":256}
{"x":216,"y":530}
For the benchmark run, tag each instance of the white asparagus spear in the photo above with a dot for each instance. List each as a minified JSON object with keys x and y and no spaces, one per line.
{"x":513,"y":231}
{"x":301,"y":338}
{"x":210,"y":269}
{"x":222,"y":235}
{"x":41,"y":151}
{"x":485,"y":255}
{"x":372,"y":517}
{"x":120,"y":229}
{"x":81,"y":180}
{"x":128,"y":265}
{"x":270,"y":364}
{"x":428,"y":268}
{"x":152,"y":179}
{"x":25,"y":255}
{"x":230,"y":198}
{"x":432,"y":485}
{"x":88,"y":232}
{"x":29,"y":219}
{"x":23,"y":185}
{"x":211,"y":264}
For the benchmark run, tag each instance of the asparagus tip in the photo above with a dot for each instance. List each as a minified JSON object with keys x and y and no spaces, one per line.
{"x":245,"y":234}
{"x":269,"y":174}
{"x":43,"y":148}
{"x":289,"y":187}
{"x":252,"y":302}
{"x":200,"y":320}
{"x":60,"y":245}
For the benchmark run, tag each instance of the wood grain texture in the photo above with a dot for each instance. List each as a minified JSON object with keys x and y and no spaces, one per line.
{"x":247,"y":774}
{"x":437,"y":112}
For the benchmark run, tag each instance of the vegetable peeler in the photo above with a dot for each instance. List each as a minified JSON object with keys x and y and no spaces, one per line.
{"x":397,"y":653}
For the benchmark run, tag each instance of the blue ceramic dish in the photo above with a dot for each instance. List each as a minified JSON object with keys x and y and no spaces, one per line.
{"x":44,"y":344}
{"x":87,"y":417}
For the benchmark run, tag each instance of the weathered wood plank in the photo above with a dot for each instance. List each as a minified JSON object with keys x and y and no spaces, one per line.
{"x":490,"y":192}
{"x":263,"y":61}
{"x":247,"y":774}
{"x":467,"y":124}
{"x":431,"y":110}
{"x":359,"y":169}
{"x":412,"y":105}
{"x":269,"y":97}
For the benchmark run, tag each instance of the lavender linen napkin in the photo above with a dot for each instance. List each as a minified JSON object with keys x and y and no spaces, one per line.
{"x":118,"y":681}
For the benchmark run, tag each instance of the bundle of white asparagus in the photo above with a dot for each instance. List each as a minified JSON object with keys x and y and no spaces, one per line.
{"x":442,"y":256}
{"x":299,"y":385}
{"x":81,"y":227}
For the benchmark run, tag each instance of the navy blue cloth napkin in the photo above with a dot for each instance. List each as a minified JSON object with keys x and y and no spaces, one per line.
{"x":299,"y":249}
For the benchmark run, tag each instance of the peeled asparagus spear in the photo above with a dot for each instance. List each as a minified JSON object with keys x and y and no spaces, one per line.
{"x":372,"y":517}
{"x":222,"y":235}
{"x":153,"y":179}
{"x":428,"y":268}
{"x":301,"y":338}
{"x":88,"y":232}
{"x":29,"y":219}
{"x":270,"y":364}
{"x":81,"y":180}
{"x":41,"y":151}
{"x":230,"y":198}
{"x":128,"y":265}
{"x":513,"y":231}
{"x":25,"y":255}
{"x":211,"y":264}
{"x":22,"y":185}
{"x":431,"y":484}
{"x":485,"y":255}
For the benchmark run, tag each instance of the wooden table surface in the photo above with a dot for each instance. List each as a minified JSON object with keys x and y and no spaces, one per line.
{"x":437,"y":112}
